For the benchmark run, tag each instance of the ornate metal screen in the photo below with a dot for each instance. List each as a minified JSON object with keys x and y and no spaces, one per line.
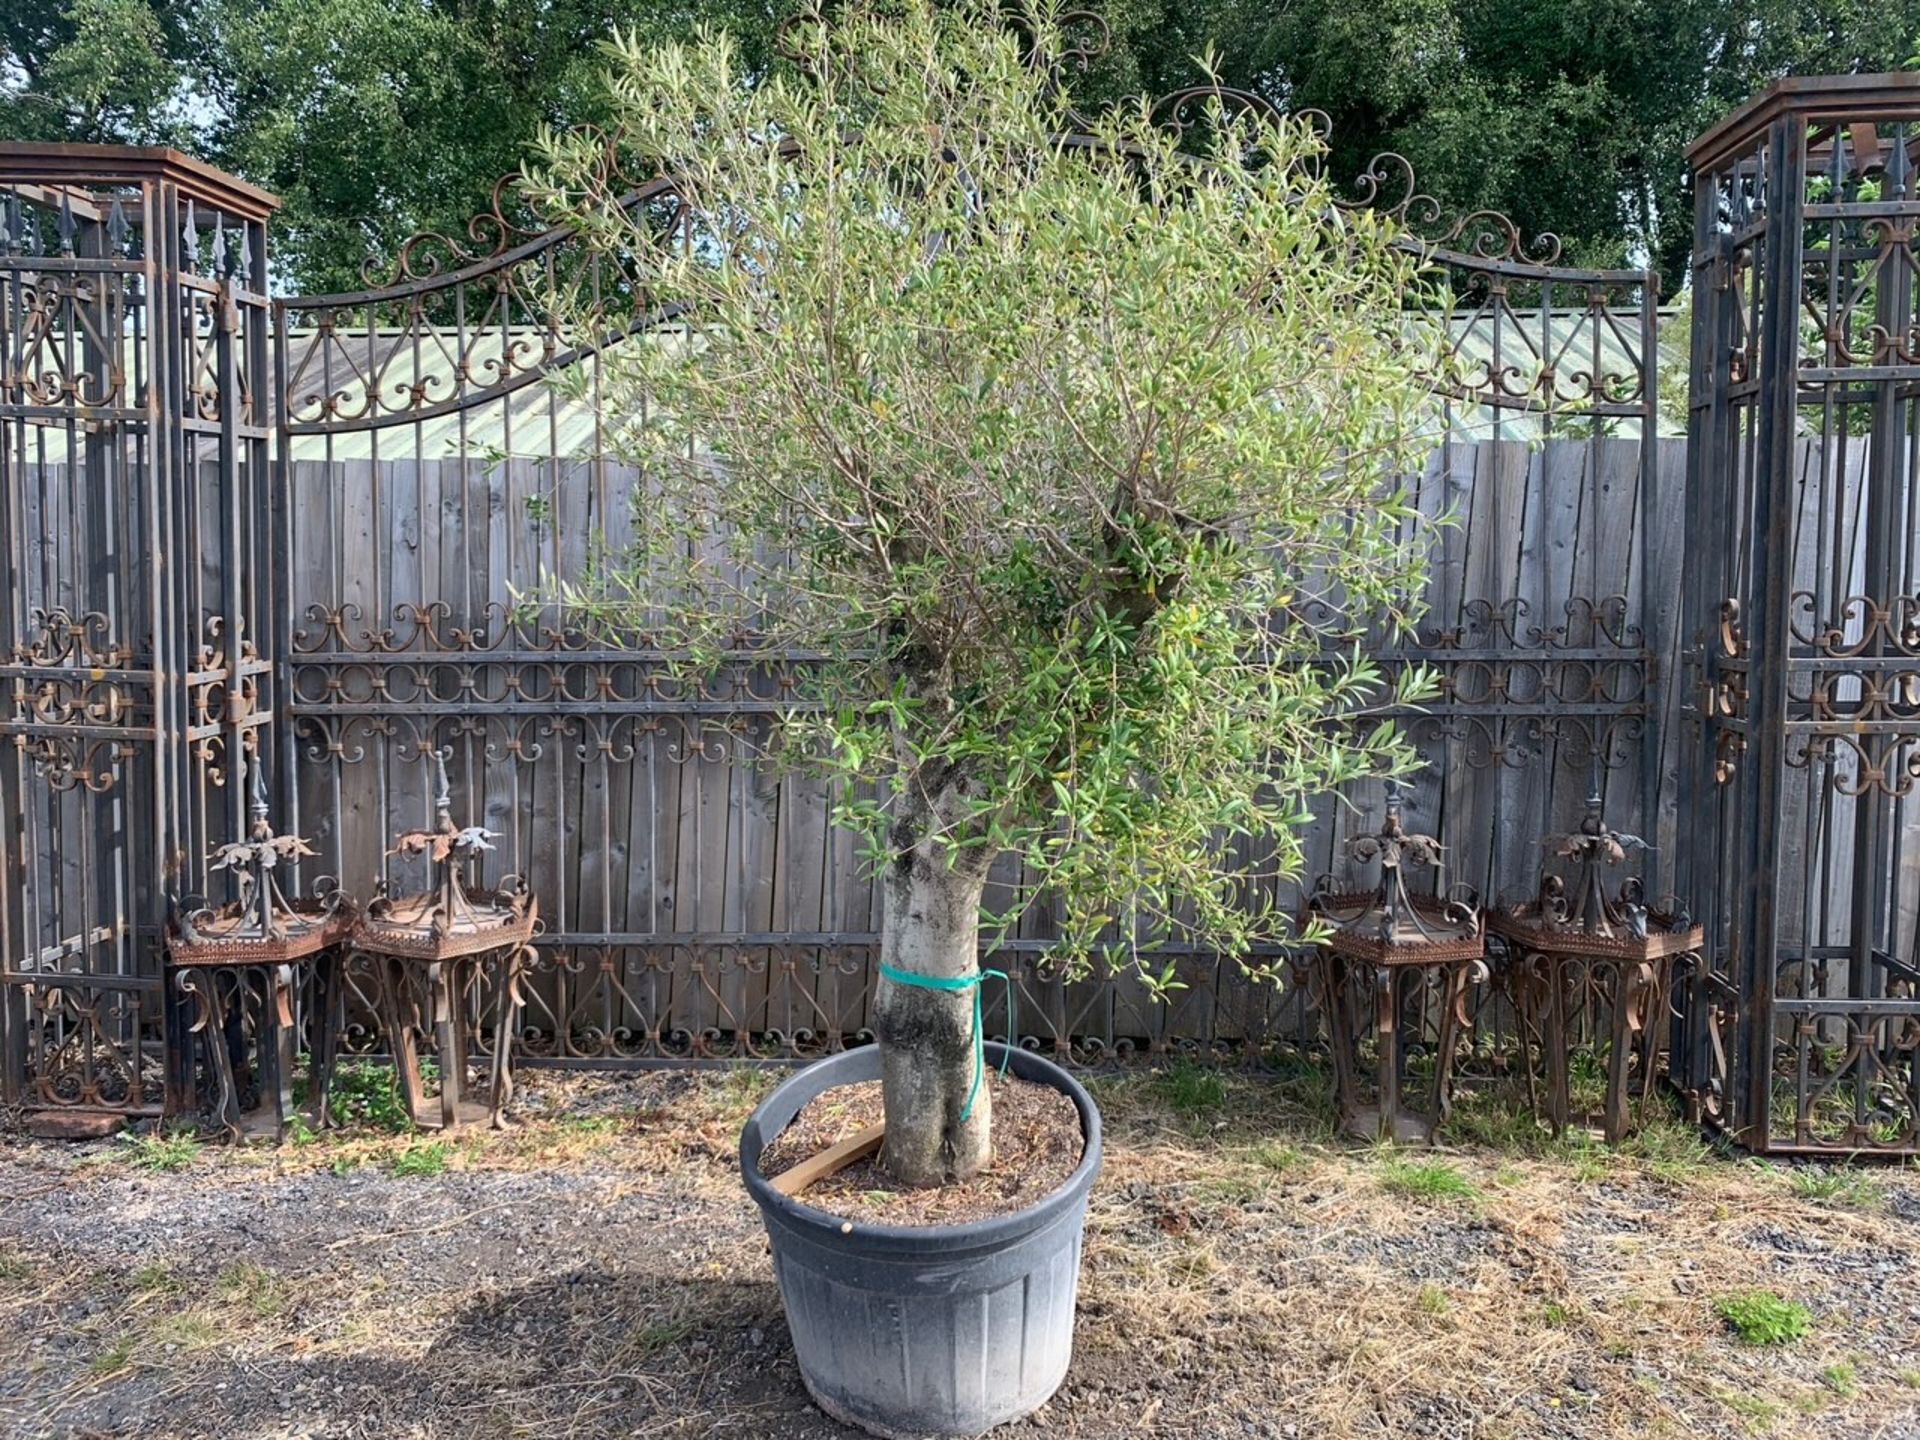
{"x":136,"y":535}
{"x":1804,"y":612}
{"x":442,"y":460}
{"x":318,"y":538}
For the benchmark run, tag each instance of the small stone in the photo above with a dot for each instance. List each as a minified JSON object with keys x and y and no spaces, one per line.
{"x":756,"y":1336}
{"x":65,"y":1125}
{"x":846,"y":1227}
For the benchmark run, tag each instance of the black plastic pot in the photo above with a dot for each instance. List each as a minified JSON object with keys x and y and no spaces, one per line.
{"x":934,"y":1330}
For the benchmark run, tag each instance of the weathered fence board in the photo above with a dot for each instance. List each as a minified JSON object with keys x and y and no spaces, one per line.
{"x":697,"y":901}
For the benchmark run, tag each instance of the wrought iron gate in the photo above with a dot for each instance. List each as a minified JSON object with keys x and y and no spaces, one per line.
{"x":442,"y":458}
{"x":303,"y":528}
{"x":137,"y":551}
{"x":1804,"y":608}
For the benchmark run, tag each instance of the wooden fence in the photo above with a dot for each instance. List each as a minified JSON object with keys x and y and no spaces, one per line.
{"x":699,"y":902}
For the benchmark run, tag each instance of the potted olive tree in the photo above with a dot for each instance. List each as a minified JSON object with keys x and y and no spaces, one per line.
{"x":1067,"y":447}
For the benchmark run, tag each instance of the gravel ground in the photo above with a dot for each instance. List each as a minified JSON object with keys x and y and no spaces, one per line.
{"x":597,"y":1271}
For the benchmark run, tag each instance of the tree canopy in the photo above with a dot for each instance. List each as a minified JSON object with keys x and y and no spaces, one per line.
{"x":375,"y":118}
{"x":1071,"y":464}
{"x":1073,"y":452}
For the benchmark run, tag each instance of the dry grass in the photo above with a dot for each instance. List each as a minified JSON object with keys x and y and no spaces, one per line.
{"x":597,"y":1271}
{"x":1535,"y":1288}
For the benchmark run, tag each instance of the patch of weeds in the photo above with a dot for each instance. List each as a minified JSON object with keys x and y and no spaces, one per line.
{"x":186,"y":1333}
{"x":366,"y":1094}
{"x":13,"y":1266}
{"x":1496,"y":1116}
{"x":1432,"y":1301}
{"x":1586,"y":1081}
{"x":1674,"y":1153}
{"x":589,"y":1127}
{"x":1272,"y":1155}
{"x":156,"y":1278}
{"x":662,"y":1334}
{"x":1195,"y":1093}
{"x":113,"y":1359}
{"x":1756,"y":1410}
{"x":746,"y":1084}
{"x":1431,"y":1181}
{"x":1109,"y":1088}
{"x":1592,"y":1164}
{"x":1836,"y":1189}
{"x":252,"y":1286}
{"x":1303,"y":1092}
{"x":1887,"y":1132}
{"x":161,"y":1152}
{"x":1760,"y":1317}
{"x":1227,"y":1189}
{"x":1506,"y":1177}
{"x":1842,"y":1377}
{"x":1910,"y":1379}
{"x":300,"y":1133}
{"x":344,"y":1164}
{"x":1555,"y":1315}
{"x":425,"y":1159}
{"x":1195,"y":1266}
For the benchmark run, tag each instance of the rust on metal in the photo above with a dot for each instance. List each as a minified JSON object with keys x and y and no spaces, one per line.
{"x":1383,"y":953}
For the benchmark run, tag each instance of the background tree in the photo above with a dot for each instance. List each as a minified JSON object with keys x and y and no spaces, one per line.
{"x":1067,"y":457}
{"x":102,"y":71}
{"x":1570,"y":116}
{"x":376,"y":118}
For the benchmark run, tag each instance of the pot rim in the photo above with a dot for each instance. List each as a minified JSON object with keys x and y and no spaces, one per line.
{"x":969,"y":1234}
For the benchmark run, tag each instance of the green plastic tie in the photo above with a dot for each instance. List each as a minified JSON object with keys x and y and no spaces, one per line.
{"x":953,"y":985}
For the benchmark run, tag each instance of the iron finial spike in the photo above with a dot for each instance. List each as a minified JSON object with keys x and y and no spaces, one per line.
{"x":443,"y":796}
{"x":1596,"y":800}
{"x":258,"y":772}
{"x":190,"y":239}
{"x":67,"y":226}
{"x":117,"y":226}
{"x":218,"y":258}
{"x":10,"y":225}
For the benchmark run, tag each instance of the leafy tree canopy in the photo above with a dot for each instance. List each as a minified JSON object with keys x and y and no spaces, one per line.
{"x":1070,"y":463}
{"x":1067,"y":459}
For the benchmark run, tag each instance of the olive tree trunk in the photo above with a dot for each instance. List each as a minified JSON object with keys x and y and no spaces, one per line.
{"x":930,"y":925}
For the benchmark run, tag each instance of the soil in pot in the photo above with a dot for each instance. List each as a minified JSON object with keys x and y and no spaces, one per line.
{"x":1036,"y":1145}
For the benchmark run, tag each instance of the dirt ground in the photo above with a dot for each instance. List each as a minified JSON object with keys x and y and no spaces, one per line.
{"x":598,"y":1271}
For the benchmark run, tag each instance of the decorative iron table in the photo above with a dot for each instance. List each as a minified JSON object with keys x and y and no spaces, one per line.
{"x":232,"y":978}
{"x":1380,"y":954}
{"x":434,"y":955}
{"x":1570,"y":950}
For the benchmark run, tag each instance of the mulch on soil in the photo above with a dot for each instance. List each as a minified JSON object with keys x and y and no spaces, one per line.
{"x":1036,"y":1145}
